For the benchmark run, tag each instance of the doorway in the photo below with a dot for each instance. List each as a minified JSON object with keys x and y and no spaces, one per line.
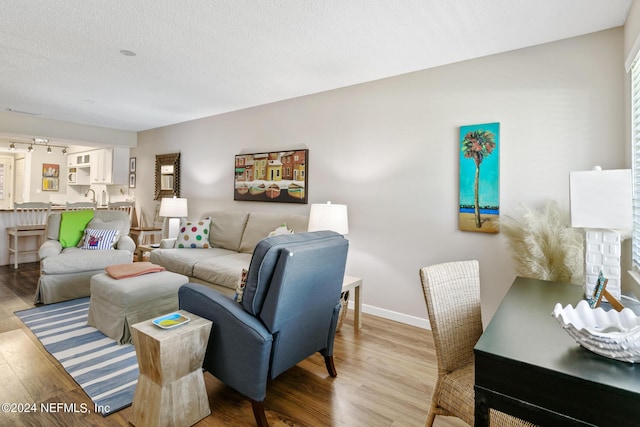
{"x":6,"y":182}
{"x":18,"y":188}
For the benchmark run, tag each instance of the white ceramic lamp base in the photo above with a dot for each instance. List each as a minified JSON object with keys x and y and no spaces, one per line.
{"x":172,"y":227}
{"x":602,"y":253}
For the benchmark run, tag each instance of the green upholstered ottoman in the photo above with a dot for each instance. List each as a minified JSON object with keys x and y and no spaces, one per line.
{"x":117,"y":304}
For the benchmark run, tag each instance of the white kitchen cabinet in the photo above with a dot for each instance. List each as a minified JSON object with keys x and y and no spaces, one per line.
{"x":110,"y":166}
{"x":78,"y":176}
{"x":79,"y":159}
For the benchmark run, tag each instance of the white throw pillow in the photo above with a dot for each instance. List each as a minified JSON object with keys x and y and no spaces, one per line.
{"x":280,"y":230}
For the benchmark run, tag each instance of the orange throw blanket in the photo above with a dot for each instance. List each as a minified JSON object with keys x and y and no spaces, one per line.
{"x":122,"y":271}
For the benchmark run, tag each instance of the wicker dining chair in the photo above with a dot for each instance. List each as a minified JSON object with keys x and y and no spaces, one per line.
{"x":452,"y":293}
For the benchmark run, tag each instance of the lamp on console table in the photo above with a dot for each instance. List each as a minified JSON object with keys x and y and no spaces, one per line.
{"x":601,"y":203}
{"x":172,"y":209}
{"x":328,"y":217}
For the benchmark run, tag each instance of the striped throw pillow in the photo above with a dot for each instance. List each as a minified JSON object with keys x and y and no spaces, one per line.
{"x":99,"y":239}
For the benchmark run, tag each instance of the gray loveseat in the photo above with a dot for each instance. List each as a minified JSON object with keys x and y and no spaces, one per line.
{"x":232,"y":237}
{"x":66,"y":273}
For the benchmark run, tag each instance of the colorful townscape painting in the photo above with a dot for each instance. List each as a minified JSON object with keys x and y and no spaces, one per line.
{"x":480,"y":178}
{"x":272,"y":177}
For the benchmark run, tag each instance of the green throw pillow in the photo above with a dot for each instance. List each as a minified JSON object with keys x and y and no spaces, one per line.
{"x":72,"y":226}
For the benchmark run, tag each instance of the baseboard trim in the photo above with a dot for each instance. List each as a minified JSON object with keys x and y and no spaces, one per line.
{"x":419,"y":322}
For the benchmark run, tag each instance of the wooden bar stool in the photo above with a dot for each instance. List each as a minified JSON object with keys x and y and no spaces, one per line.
{"x":29,"y":219}
{"x":128,"y":207}
{"x":78,"y":206}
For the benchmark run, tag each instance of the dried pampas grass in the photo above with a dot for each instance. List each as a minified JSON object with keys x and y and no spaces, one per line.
{"x":544,"y":245}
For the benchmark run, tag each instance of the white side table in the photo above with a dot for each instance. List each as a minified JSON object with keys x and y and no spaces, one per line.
{"x":355,"y":283}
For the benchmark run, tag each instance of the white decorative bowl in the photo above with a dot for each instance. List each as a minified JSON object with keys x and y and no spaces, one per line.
{"x":608,"y":333}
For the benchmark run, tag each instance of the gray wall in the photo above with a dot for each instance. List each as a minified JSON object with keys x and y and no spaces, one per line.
{"x":389,"y":150}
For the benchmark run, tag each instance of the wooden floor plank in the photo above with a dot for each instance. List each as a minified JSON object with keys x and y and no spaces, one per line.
{"x":386,"y":373}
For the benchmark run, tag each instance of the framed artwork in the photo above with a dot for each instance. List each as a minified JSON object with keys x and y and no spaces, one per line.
{"x":50,"y":170}
{"x":280,"y":176}
{"x":132,"y":165}
{"x":50,"y":184}
{"x":479,"y":178}
{"x":167,"y":175}
{"x":50,"y":177}
{"x":132,"y":180}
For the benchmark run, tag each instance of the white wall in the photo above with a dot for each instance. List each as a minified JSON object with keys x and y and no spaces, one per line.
{"x":389,"y":150}
{"x":631,"y":28}
{"x":63,"y":133}
{"x":39,"y":157}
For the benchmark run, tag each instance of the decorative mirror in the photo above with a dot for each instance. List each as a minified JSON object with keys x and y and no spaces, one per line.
{"x":167,"y":175}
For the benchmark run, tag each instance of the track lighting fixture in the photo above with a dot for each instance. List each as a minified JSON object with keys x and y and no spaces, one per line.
{"x":38,"y":141}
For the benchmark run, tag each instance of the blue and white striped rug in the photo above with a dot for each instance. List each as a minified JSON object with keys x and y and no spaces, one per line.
{"x":106,"y":371}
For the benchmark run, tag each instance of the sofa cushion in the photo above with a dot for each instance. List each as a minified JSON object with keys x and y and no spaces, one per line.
{"x":222,"y":270}
{"x":260,"y":224}
{"x":74,"y":260}
{"x":193,"y":234}
{"x":105,"y":216}
{"x":53,"y":226}
{"x":110,"y":215}
{"x":72,"y":225}
{"x":182,"y":261}
{"x":226,"y":229}
{"x":122,"y":225}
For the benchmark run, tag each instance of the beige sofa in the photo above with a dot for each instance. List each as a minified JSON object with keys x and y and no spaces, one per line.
{"x":232,"y":237}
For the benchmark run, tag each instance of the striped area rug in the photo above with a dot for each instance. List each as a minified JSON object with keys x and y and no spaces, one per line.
{"x":106,"y":371}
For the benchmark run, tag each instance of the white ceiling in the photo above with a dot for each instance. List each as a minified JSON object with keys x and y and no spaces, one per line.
{"x":61,"y":59}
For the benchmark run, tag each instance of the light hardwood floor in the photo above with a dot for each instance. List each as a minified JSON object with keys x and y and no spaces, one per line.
{"x":386,"y":373}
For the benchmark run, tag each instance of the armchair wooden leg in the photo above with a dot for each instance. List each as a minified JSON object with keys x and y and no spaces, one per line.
{"x":331,"y":368}
{"x":258,"y":413}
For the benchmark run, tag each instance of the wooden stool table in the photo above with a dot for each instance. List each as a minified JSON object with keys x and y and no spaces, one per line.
{"x":138,"y":234}
{"x":141,"y":249}
{"x":170,"y":390}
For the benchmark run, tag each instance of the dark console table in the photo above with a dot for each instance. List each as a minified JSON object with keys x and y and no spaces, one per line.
{"x":526,"y":365}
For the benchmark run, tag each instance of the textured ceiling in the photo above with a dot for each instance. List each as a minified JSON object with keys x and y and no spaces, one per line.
{"x":61,"y":59}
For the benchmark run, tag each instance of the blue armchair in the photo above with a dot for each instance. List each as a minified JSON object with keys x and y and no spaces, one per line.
{"x":289,"y":311}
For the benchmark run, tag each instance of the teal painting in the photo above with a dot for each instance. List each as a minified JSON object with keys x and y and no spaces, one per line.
{"x":480,"y":178}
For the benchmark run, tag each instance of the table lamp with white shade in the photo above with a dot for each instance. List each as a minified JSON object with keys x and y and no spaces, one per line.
{"x":601,"y":203}
{"x":172,"y":209}
{"x":328,"y":216}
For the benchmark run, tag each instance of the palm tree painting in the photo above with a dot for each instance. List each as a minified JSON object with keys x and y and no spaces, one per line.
{"x":479,"y":177}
